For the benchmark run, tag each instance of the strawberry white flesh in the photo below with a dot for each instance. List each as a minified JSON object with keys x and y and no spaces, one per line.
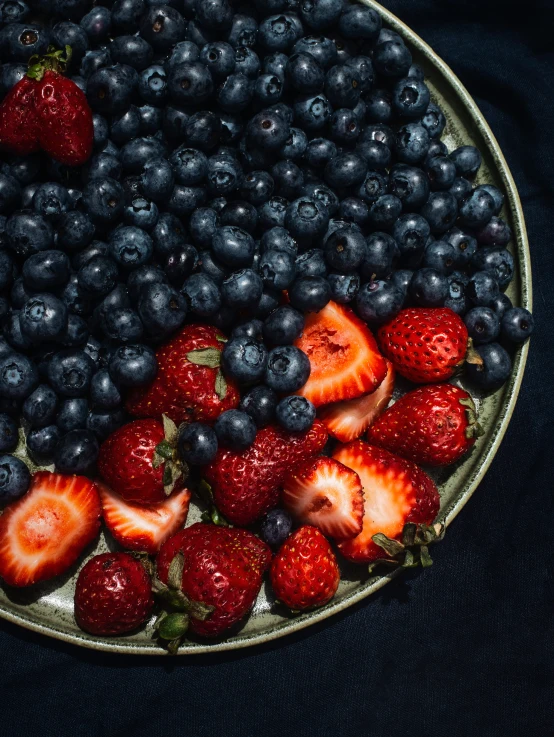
{"x":326,"y":494}
{"x":348,"y":420}
{"x":45,"y":531}
{"x":136,"y":527}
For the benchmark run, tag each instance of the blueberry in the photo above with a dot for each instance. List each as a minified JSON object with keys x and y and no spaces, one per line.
{"x":311,"y":263}
{"x":441,"y":256}
{"x":28,"y":233}
{"x":39,"y":409}
{"x":380,"y":253}
{"x":98,"y":276}
{"x":123,"y":325}
{"x":322,"y":193}
{"x":240,"y":214}
{"x":384,"y":211}
{"x":15,"y":479}
{"x":441,"y":172}
{"x":162,"y":26}
{"x":378,"y":106}
{"x":43,"y":318}
{"x":429,"y":288}
{"x":467,"y":160}
{"x":267,"y":130}
{"x":110,"y":89}
{"x":247,"y":62}
{"x":378,"y":301}
{"x":141,"y":213}
{"x":219,"y":57}
{"x":464,"y":244}
{"x":13,"y":11}
{"x":103,"y":200}
{"x":224,"y":174}
{"x":126,"y":14}
{"x":103,"y":424}
{"x":7,"y":270}
{"x":97,"y":25}
{"x":275,"y":64}
{"x":235,"y":430}
{"x":295,"y":414}
{"x":288,"y":179}
{"x":233,"y":246}
{"x":104,"y":394}
{"x":373,"y":186}
{"x":168,"y":235}
{"x":152,"y":85}
{"x":203,"y":224}
{"x":345,"y":250}
{"x":344,"y":287}
{"x":498,"y":261}
{"x":162,"y":310}
{"x":242,"y":289}
{"x":278,"y":239}
{"x":42,"y":444}
{"x":495,"y":233}
{"x":303,"y":74}
{"x":517,"y":324}
{"x":94,"y":60}
{"x":482,"y":288}
{"x":392,"y":59}
{"x":130,"y":246}
{"x":461,"y":188}
{"x":401,"y":279}
{"x":210,"y":267}
{"x":283,"y":326}
{"x":497,"y":196}
{"x":76,"y":332}
{"x":312,"y":112}
{"x":410,"y":185}
{"x":410,"y":98}
{"x":20,"y":41}
{"x":10,"y":75}
{"x":235,"y":93}
{"x":276,"y":526}
{"x":190,"y":165}
{"x":288,"y":369}
{"x":440,"y":211}
{"x":434,"y":121}
{"x":249,"y":329}
{"x":104,"y":165}
{"x":197,"y":444}
{"x":183,"y":52}
{"x":345,"y":170}
{"x":483,"y":325}
{"x":279,"y":32}
{"x":180,"y":264}
{"x":77,"y":452}
{"x":9,"y":437}
{"x":411,"y":232}
{"x":244,"y":359}
{"x":375,"y":153}
{"x":51,"y":200}
{"x":243,"y":31}
{"x":323,"y":50}
{"x":133,"y":365}
{"x":319,"y":152}
{"x":477,"y":209}
{"x":495,"y":370}
{"x":310,"y":293}
{"x":257,"y":187}
{"x":70,"y":372}
{"x":189,"y":83}
{"x":500,"y":304}
{"x":13,"y":333}
{"x":412,"y":143}
{"x":355,"y":210}
{"x":277,"y":269}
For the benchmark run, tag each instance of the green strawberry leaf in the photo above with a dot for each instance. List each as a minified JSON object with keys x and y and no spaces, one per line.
{"x":210,"y":357}
{"x":413,"y":551}
{"x":220,"y":386}
{"x":175,"y":572}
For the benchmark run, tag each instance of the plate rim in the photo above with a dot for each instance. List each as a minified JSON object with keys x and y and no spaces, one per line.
{"x":288,"y":626}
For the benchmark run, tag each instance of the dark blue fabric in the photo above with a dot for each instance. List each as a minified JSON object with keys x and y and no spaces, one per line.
{"x":465,"y":648}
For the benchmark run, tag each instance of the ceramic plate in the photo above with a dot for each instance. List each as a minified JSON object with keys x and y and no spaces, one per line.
{"x":48,"y":608}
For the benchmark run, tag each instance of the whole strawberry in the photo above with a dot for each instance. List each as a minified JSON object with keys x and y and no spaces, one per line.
{"x":246,"y":484}
{"x":139,"y":461}
{"x":425,"y":344}
{"x":222,"y":567}
{"x":47,"y":111}
{"x":304,"y":573}
{"x":434,"y":425}
{"x":189,"y":385}
{"x":113,"y":595}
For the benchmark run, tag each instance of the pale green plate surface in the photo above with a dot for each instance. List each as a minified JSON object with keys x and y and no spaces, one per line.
{"x":49,"y":608}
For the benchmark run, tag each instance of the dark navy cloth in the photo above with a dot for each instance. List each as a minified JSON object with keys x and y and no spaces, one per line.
{"x":463,"y":649}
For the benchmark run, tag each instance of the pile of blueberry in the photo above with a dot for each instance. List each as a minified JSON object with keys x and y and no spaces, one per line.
{"x":240,"y":150}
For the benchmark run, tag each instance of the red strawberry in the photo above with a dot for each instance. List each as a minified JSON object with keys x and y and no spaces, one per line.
{"x":396,"y":491}
{"x":136,"y":527}
{"x":348,"y":420}
{"x":324,"y":493}
{"x":45,"y":531}
{"x":434,"y":424}
{"x":189,"y":386}
{"x":345,"y":361}
{"x":425,"y":344}
{"x":113,"y":595}
{"x":304,"y":573}
{"x":223,"y":567}
{"x":138,"y":461}
{"x":246,"y":484}
{"x":46,"y":110}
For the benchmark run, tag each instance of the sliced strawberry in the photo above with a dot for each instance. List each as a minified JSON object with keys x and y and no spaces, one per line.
{"x":348,"y":420}
{"x":345,"y":361}
{"x":136,"y":527}
{"x":45,"y":531}
{"x":396,"y":491}
{"x":326,"y":494}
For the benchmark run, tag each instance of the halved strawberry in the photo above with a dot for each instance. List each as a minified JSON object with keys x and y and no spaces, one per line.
{"x":346,"y":421}
{"x":136,"y":527}
{"x":344,"y":357}
{"x":45,"y":531}
{"x":326,"y":494}
{"x":396,"y":491}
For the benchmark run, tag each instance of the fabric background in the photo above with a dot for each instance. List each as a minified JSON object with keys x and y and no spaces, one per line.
{"x":465,"y":648}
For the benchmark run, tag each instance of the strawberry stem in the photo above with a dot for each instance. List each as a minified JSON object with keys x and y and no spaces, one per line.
{"x":55,"y":60}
